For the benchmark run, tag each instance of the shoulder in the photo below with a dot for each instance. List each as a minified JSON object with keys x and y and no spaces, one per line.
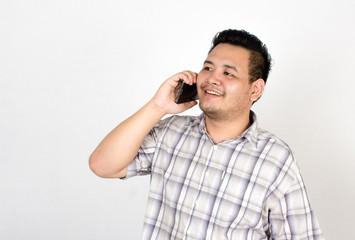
{"x":171,"y":130}
{"x":266,"y":136}
{"x":177,"y":122}
{"x":279,"y":163}
{"x":264,"y":141}
{"x":277,"y":151}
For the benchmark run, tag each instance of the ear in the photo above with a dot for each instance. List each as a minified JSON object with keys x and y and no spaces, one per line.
{"x":257,"y":88}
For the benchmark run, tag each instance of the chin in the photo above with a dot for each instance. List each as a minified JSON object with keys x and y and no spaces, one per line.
{"x":212,"y":112}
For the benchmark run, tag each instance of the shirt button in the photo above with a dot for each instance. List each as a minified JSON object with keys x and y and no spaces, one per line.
{"x":215,"y":147}
{"x":207,"y":174}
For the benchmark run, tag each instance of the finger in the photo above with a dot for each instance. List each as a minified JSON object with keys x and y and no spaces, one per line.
{"x":194,"y":77}
{"x":182,"y":76}
{"x":191,"y":77}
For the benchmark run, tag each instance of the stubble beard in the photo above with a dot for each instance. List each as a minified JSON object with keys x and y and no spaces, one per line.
{"x":225,"y":115}
{"x":213,"y":113}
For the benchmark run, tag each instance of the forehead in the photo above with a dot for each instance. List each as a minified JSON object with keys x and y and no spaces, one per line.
{"x":228,"y":53}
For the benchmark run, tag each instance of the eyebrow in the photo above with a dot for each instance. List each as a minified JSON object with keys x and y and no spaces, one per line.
{"x":224,"y":65}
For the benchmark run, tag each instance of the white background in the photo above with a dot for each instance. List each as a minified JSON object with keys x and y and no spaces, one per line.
{"x":71,"y":70}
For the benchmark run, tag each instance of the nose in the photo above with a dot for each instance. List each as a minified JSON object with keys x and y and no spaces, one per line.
{"x":214,"y":79}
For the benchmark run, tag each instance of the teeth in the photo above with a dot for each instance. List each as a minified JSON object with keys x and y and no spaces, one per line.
{"x":213,"y":93}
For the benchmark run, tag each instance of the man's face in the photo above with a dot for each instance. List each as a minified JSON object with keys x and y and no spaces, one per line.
{"x":223,"y":84}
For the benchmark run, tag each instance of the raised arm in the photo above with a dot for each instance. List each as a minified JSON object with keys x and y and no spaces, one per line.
{"x":120,"y":146}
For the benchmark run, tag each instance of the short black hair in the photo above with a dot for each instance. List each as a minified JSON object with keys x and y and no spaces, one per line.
{"x":260,"y":59}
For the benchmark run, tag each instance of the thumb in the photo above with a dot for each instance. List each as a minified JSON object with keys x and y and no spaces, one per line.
{"x":190,"y":104}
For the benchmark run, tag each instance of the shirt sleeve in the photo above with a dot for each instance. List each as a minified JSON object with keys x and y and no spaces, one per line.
{"x":291,"y":217}
{"x":141,"y":164}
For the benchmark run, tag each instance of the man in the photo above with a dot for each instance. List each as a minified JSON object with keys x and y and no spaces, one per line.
{"x":217,"y":175}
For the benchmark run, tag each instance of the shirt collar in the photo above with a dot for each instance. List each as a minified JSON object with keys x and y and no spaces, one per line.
{"x":251,"y":134}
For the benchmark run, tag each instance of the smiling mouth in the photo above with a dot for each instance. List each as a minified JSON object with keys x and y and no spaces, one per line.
{"x":213,"y":93}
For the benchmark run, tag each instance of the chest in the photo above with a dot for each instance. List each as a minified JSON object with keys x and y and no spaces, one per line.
{"x":222,"y":184}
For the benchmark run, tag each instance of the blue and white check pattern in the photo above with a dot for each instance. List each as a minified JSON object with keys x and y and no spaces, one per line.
{"x":245,"y":188}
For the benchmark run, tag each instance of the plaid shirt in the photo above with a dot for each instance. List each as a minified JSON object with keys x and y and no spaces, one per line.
{"x":246,"y":188}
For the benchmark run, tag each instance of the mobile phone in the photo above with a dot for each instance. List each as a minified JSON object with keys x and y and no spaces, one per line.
{"x":186,"y":93}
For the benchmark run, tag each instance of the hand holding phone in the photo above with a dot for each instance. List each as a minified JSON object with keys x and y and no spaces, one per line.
{"x":186,"y":93}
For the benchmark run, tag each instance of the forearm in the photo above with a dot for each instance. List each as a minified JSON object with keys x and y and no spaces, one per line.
{"x":121,"y":145}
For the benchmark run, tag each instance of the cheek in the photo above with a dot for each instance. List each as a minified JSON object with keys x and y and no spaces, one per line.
{"x":200,"y":79}
{"x":236,"y":93}
{"x":231,"y":88}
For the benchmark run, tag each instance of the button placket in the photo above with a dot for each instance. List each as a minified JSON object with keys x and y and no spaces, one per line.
{"x":196,"y":202}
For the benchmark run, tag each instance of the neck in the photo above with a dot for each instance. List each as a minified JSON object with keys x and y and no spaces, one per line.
{"x":222,"y":130}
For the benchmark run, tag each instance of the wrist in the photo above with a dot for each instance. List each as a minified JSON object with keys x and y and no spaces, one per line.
{"x":155,"y":109}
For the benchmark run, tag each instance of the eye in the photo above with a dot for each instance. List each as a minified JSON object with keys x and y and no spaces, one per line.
{"x":207,"y":69}
{"x":228,"y":74}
